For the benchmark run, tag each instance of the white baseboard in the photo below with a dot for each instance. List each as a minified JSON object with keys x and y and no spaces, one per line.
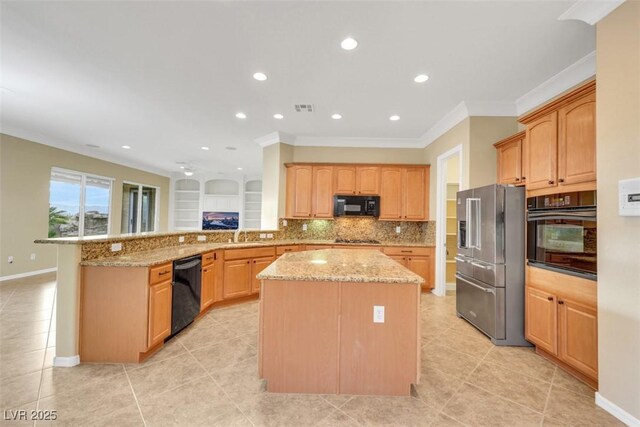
{"x":451,"y":286}
{"x":616,"y":411}
{"x":66,"y":362}
{"x":27,"y":274}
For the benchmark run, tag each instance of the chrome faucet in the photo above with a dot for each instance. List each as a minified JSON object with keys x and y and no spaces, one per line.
{"x":236,"y":234}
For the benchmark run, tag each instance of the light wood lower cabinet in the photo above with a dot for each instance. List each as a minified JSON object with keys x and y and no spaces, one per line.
{"x":420,"y":260}
{"x":159,"y":313}
{"x":208,"y":286}
{"x":257,"y":265}
{"x":237,"y":278}
{"x":561,"y":319}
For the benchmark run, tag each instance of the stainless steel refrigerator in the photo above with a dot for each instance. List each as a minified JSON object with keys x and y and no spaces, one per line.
{"x":490,"y":261}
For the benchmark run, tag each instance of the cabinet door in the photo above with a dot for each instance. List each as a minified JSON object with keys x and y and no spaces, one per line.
{"x":578,"y":336}
{"x":391,"y":193}
{"x":422,"y":267}
{"x":416,"y":194}
{"x":368,"y":180}
{"x":322,"y":203}
{"x":399,"y":259}
{"x":237,"y":278}
{"x":299,"y":191}
{"x":257,"y":266}
{"x":541,"y":322}
{"x":577,"y":141}
{"x":159,"y":313}
{"x":510,"y":162}
{"x":542,"y":152}
{"x":345,"y":180}
{"x":208,"y":286}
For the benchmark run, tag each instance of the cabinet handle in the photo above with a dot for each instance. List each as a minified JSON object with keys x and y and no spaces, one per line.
{"x":517,"y":179}
{"x":407,"y":252}
{"x":550,"y":298}
{"x":561,"y":180}
{"x":354,"y":192}
{"x":551,"y":182}
{"x":524,"y":177}
{"x":409,"y":259}
{"x":560,"y":302}
{"x":248,"y":262}
{"x":162,"y":273}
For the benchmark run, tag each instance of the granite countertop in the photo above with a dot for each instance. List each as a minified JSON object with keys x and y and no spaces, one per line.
{"x":339,"y":265}
{"x":168,"y":254}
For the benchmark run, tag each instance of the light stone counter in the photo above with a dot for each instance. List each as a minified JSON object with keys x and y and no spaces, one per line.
{"x":339,"y":265}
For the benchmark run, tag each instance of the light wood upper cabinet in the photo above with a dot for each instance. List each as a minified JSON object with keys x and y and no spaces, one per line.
{"x":159,"y":313}
{"x":322,"y":192}
{"x":541,"y":324}
{"x":368,"y":180}
{"x":510,"y":153}
{"x":577,"y":141}
{"x":391,"y":193}
{"x":578,"y":331}
{"x":404,"y":193}
{"x":299,"y":191}
{"x":542,"y":152}
{"x":416,"y":193}
{"x":560,"y":144}
{"x":344,"y":179}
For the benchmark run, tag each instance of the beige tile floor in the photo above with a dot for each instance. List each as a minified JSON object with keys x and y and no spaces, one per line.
{"x":208,"y":376}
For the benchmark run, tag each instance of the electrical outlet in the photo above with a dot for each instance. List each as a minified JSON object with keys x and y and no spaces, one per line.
{"x":202,"y":238}
{"x":33,"y":257}
{"x":378,"y":314}
{"x":304,"y":227}
{"x":10,"y":260}
{"x":269,"y":235}
{"x":398,"y":229}
{"x":263,"y":235}
{"x":115,"y":247}
{"x":181,"y":239}
{"x":284,"y":223}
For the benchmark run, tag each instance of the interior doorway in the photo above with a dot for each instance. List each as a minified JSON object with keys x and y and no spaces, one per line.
{"x":449,"y":182}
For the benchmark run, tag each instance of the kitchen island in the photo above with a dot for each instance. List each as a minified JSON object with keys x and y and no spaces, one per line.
{"x":339,"y":321}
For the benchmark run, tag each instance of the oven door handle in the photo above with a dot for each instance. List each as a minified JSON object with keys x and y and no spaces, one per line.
{"x":589,"y":215}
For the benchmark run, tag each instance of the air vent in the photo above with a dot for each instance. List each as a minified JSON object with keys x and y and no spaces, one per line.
{"x":304,"y":108}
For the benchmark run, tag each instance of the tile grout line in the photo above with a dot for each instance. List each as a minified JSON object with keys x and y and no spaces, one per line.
{"x":216,"y":383}
{"x":44,"y":359}
{"x":546,"y":402}
{"x":135,"y":397}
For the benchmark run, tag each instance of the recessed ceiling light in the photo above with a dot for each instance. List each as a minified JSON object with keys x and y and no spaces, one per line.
{"x":336,"y":116}
{"x":205,"y":148}
{"x":421,"y":78}
{"x":126,"y":147}
{"x":230,"y":148}
{"x":241,"y":115}
{"x":394,"y":118}
{"x":349,"y":43}
{"x":239,"y":169}
{"x":181,"y":167}
{"x":278,"y":116}
{"x":188,"y":173}
{"x":260,"y":76}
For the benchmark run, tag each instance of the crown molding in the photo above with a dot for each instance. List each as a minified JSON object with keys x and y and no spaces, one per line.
{"x":445,"y":124}
{"x":358,"y":142}
{"x":492,"y":109}
{"x":590,"y":11}
{"x":84,"y":151}
{"x":581,"y":70}
{"x":275,"y":138}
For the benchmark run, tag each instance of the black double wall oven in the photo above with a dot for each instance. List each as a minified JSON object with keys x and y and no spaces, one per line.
{"x":562,"y":233}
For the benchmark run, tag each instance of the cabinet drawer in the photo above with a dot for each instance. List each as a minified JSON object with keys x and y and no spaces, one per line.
{"x":378,"y":248}
{"x":284,"y":249}
{"x":160,"y":273}
{"x":208,"y":258}
{"x":406,"y":250}
{"x":317,"y":247}
{"x":231,"y":254}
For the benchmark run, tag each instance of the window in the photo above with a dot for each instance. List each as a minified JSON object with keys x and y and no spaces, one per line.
{"x":139,"y":208}
{"x":78,"y":204}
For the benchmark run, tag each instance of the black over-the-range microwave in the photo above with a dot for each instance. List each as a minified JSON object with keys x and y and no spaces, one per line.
{"x":349,"y":205}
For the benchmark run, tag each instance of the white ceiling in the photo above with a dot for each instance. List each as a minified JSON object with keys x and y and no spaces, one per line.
{"x":168,"y":77}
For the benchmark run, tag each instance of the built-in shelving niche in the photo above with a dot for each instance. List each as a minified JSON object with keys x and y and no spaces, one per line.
{"x":186,"y":204}
{"x":252,"y":204}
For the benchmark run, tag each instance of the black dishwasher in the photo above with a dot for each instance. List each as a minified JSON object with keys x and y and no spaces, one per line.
{"x":185,"y":303}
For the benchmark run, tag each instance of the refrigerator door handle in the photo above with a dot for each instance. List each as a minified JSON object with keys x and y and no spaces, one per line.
{"x":473,"y":217}
{"x":487,"y":290}
{"x":461,"y":259}
{"x":482,"y":266}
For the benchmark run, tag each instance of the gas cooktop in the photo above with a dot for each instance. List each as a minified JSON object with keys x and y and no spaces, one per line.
{"x":367,"y":241}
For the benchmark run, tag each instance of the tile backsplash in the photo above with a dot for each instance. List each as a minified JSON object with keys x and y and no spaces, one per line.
{"x":359,"y":228}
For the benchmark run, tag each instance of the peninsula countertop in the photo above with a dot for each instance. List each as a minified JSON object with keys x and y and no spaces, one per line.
{"x":339,"y":265}
{"x":172,"y":253}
